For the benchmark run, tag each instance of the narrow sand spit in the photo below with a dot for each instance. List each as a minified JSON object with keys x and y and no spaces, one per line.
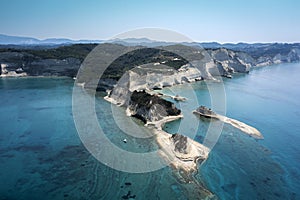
{"x":253,"y":132}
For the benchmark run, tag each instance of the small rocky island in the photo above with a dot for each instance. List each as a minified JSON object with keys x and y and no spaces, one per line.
{"x":207,"y":112}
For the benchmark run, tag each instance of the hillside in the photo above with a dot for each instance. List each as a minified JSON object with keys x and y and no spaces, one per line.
{"x":66,"y":60}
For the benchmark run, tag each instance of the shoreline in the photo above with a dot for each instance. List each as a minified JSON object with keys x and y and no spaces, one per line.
{"x":40,"y":76}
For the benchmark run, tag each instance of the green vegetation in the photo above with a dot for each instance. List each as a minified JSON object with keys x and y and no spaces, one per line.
{"x":139,"y":57}
{"x":79,"y":51}
{"x":25,"y":56}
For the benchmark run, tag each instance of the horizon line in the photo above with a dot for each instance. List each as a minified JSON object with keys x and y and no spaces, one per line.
{"x":112,"y":39}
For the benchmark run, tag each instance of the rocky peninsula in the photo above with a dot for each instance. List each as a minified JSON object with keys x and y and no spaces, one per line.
{"x":184,"y":154}
{"x":207,"y":112}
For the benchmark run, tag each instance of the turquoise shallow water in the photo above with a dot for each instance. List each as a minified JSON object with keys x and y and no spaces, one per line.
{"x":42,"y":157}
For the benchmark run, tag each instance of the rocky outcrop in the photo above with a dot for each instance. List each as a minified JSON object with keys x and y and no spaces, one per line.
{"x":182,"y":152}
{"x":207,"y":112}
{"x":228,"y":61}
{"x":180,"y":143}
{"x":6,"y":71}
{"x":184,"y":156}
{"x":11,"y":64}
{"x":152,"y":77}
{"x":150,"y":108}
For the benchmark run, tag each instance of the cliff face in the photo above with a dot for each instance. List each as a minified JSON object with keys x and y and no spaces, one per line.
{"x":16,"y":64}
{"x":229,"y":61}
{"x":11,"y":63}
{"x":150,"y":108}
{"x":152,"y":77}
{"x":292,"y":55}
{"x":43,"y":60}
{"x":220,"y":62}
{"x":238,"y":61}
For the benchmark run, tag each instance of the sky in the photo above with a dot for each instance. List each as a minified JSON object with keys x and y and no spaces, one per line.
{"x":201,"y":20}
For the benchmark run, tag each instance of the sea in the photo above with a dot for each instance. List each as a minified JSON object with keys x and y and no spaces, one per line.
{"x":42,"y":155}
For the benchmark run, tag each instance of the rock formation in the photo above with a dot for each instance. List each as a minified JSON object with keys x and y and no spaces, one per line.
{"x":150,"y":108}
{"x":251,"y":131}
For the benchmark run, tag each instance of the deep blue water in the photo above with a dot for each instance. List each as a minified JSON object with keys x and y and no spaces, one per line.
{"x":42,"y":157}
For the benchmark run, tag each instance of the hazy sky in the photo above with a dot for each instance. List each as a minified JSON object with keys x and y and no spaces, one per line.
{"x":201,"y":20}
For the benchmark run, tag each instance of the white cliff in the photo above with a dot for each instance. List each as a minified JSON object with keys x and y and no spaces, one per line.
{"x":14,"y":73}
